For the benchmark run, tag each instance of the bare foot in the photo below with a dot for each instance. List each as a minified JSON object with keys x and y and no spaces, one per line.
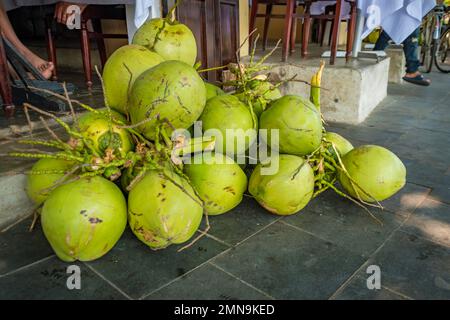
{"x":44,"y":67}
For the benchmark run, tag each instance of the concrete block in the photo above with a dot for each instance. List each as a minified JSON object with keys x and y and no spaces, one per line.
{"x":397,"y":64}
{"x":350,"y":91}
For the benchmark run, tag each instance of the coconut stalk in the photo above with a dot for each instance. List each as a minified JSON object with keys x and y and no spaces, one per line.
{"x":315,"y":86}
{"x":326,"y":160}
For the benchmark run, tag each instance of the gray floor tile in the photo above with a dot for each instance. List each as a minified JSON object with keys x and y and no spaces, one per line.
{"x":357,"y":289}
{"x":289,"y":264}
{"x":431,"y":221}
{"x":240,"y":223}
{"x":19,"y":247}
{"x":208,"y":283}
{"x":138,"y":270}
{"x":441,"y":193}
{"x":48,"y":280}
{"x":368,"y":135}
{"x":342,"y":222}
{"x":426,"y":173}
{"x":407,"y":199}
{"x":414,"y":267}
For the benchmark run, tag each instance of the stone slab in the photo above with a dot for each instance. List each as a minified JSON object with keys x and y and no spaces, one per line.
{"x":350,"y":91}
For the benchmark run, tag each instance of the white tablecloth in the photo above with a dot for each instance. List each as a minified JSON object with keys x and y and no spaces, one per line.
{"x":142,"y":9}
{"x":398,"y":18}
{"x":145,"y":9}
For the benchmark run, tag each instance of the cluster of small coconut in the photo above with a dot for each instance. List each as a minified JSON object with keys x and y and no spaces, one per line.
{"x":118,"y":165}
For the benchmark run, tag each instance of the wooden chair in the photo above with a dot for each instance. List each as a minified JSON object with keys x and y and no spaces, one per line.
{"x":333,"y":15}
{"x":268,"y":15}
{"x":5,"y":87}
{"x":292,"y":15}
{"x":94,"y":14}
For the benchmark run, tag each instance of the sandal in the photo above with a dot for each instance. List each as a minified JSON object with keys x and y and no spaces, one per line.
{"x":419,"y":80}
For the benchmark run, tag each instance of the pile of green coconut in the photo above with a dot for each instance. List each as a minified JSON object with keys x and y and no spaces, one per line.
{"x":144,"y":160}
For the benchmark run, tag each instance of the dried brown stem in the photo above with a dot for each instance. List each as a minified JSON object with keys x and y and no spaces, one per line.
{"x":202,"y":234}
{"x":52,"y":133}
{"x":69,"y":102}
{"x":27,"y":115}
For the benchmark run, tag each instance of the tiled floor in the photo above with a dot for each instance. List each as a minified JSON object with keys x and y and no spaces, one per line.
{"x":321,"y":253}
{"x":19,"y":124}
{"x":92,"y":98}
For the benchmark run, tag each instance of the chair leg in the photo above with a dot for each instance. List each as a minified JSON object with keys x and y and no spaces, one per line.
{"x":331,"y":32}
{"x":97,"y":26}
{"x":253,"y":13}
{"x":51,"y":49}
{"x":287,"y":28}
{"x":321,"y":33}
{"x":86,"y":53}
{"x":5,"y":87}
{"x":335,"y":31}
{"x":266,"y":24}
{"x":293,"y":32}
{"x":306,"y":34}
{"x":351,"y":32}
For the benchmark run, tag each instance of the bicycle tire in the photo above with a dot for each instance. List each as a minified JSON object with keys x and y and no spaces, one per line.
{"x":426,"y":54}
{"x":444,"y":37}
{"x":428,"y":59}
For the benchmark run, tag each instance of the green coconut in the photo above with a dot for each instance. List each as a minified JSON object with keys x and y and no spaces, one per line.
{"x":171,"y":40}
{"x":228,"y":115}
{"x":343,"y":146}
{"x":375,"y":170}
{"x":286,"y":191}
{"x":160,"y":213}
{"x":96,"y":127}
{"x":219,"y":181}
{"x":298,"y":122}
{"x":122,"y":69}
{"x":212,"y":91}
{"x":265,"y":93}
{"x":83,"y":220}
{"x":172,"y":90}
{"x":40,"y":185}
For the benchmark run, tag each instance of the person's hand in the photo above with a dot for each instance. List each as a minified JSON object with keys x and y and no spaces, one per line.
{"x":61,"y":14}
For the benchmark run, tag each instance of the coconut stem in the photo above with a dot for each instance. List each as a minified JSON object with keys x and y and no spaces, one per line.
{"x":36,"y":215}
{"x":53,"y":144}
{"x":212,"y":69}
{"x":315,"y":86}
{"x":39,"y":172}
{"x":195,"y":145}
{"x":45,"y":156}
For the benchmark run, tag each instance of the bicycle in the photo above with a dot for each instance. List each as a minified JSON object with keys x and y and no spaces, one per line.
{"x":435,"y":44}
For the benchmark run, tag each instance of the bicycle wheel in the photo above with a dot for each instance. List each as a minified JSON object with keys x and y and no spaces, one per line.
{"x":442,"y":56}
{"x":426,"y":57}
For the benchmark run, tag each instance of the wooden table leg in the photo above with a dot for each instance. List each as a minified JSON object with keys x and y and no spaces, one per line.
{"x":266,"y":25}
{"x":86,"y":52}
{"x":5,"y":87}
{"x":287,"y":29}
{"x":51,"y":49}
{"x":335,"y":31}
{"x":351,"y":31}
{"x":293,"y":32}
{"x":251,"y":27}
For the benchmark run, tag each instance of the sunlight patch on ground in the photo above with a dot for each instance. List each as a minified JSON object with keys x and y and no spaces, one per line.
{"x":415,"y":199}
{"x":433,"y":229}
